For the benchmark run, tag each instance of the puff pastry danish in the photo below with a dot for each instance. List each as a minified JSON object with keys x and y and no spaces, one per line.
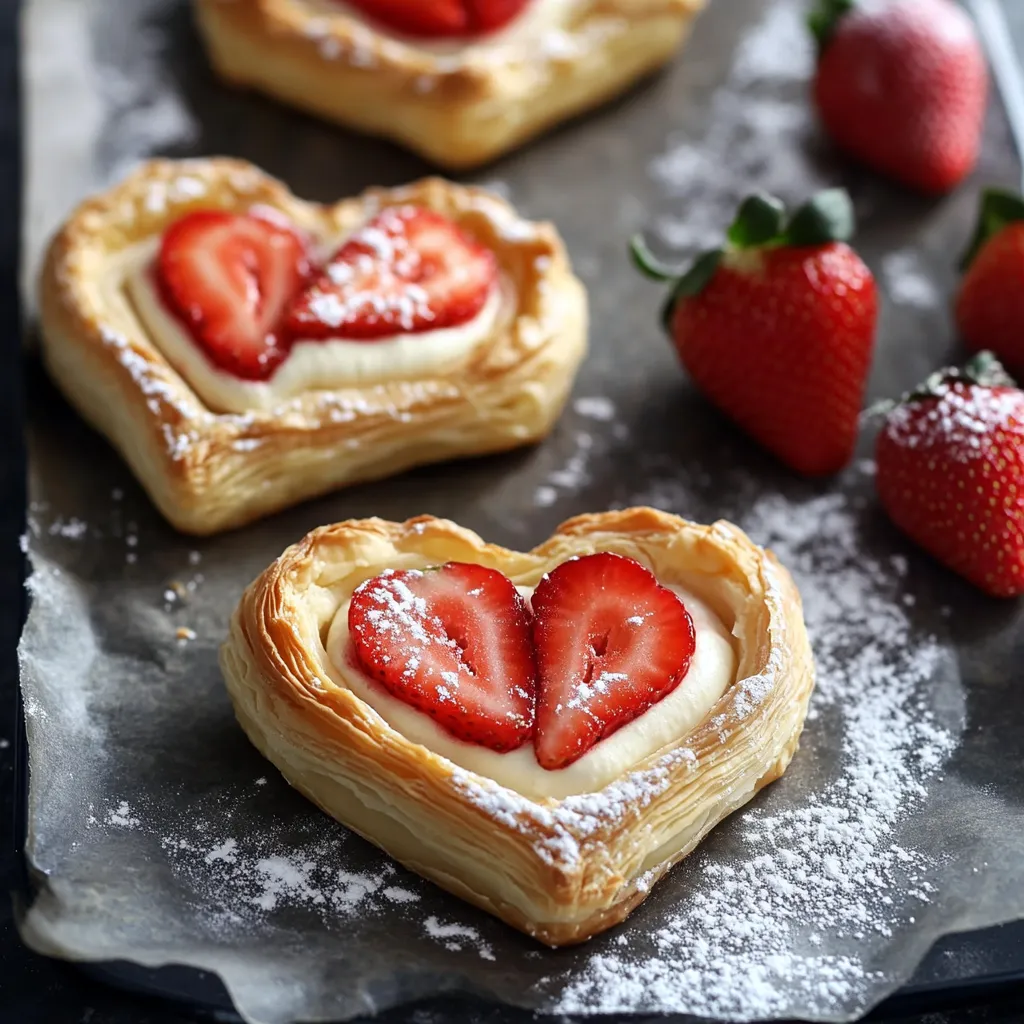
{"x":561,"y":860}
{"x":217,"y":444}
{"x":459,"y":102}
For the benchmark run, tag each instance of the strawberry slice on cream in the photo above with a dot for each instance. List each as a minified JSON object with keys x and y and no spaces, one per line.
{"x":610,"y":667}
{"x":408,"y":270}
{"x":441,"y":18}
{"x":229,"y":278}
{"x":236,"y":305}
{"x":610,"y":643}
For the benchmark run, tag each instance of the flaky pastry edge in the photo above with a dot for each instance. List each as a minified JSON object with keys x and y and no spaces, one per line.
{"x":561,"y":871}
{"x":459,"y":110}
{"x":210,"y":471}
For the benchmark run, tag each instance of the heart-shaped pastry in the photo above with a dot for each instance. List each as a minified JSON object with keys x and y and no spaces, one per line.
{"x":458,"y":81}
{"x":717,"y":667}
{"x":245,"y":350}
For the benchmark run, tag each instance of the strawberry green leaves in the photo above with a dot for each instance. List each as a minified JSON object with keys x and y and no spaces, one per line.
{"x":760,"y":223}
{"x":822,"y":21}
{"x":999,"y":207}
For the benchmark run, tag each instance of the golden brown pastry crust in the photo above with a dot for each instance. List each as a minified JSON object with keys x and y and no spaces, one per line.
{"x":459,"y":110}
{"x":561,"y":871}
{"x":209,"y":471}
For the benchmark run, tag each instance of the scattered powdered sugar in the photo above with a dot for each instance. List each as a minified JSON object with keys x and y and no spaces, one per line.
{"x":4,"y":744}
{"x":571,"y":476}
{"x":72,"y":529}
{"x":821,"y":880}
{"x":906,"y":280}
{"x":121,"y":816}
{"x":455,"y":936}
{"x":397,"y":894}
{"x":595,"y":407}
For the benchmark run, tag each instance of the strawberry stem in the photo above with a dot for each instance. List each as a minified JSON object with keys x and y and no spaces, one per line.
{"x":759,"y":221}
{"x":999,"y":207}
{"x":825,"y":18}
{"x":827,"y":217}
{"x":648,"y":264}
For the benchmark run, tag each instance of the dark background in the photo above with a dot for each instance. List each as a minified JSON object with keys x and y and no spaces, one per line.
{"x":35,"y":989}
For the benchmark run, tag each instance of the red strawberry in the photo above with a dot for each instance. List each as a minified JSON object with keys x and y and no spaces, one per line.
{"x":990,"y":306}
{"x":610,"y":644}
{"x":951,"y":473}
{"x":229,"y":277}
{"x":453,"y":642}
{"x":407,"y":270}
{"x":442,"y":17}
{"x":777,"y":328}
{"x":901,"y":86}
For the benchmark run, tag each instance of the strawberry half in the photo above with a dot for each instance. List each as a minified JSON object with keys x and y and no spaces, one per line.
{"x":610,"y":643}
{"x":454,"y":643}
{"x":408,"y":270}
{"x":229,"y":278}
{"x":440,"y":18}
{"x":950,"y":473}
{"x":777,"y":327}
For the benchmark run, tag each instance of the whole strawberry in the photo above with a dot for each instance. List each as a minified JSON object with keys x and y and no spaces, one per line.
{"x":777,"y":327}
{"x":990,"y":304}
{"x":901,"y":85}
{"x":950,"y":473}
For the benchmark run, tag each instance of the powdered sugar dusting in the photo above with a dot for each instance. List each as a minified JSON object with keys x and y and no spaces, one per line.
{"x":817,"y":863}
{"x":454,"y":936}
{"x":960,"y":423}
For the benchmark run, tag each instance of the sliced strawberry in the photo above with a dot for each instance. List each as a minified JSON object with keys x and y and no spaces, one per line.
{"x":229,"y":278}
{"x":408,"y":270}
{"x":453,"y":642}
{"x":610,"y":643}
{"x":441,"y":17}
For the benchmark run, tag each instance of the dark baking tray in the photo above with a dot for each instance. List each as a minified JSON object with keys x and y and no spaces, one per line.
{"x":961,"y":970}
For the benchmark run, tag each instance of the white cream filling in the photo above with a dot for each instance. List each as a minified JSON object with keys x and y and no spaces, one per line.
{"x":711,"y":672}
{"x":529,"y":29}
{"x":311,"y":365}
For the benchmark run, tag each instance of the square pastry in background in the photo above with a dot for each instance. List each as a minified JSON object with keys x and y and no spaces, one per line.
{"x":245,"y":350}
{"x":541,"y":733}
{"x":459,"y":81}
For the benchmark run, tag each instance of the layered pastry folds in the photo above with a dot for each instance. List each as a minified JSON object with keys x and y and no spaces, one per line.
{"x":560,"y":869}
{"x":459,"y":102}
{"x":211,"y":466}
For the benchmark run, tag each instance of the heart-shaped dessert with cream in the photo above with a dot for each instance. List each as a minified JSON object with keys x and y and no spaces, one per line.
{"x":245,"y":350}
{"x":542,"y":733}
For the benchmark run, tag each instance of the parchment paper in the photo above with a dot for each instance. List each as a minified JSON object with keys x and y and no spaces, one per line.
{"x":158,"y":835}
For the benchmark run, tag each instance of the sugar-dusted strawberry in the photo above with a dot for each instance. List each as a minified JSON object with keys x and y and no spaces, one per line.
{"x":453,"y":642}
{"x":610,"y":642}
{"x":950,"y":472}
{"x":777,"y":327}
{"x":901,"y":85}
{"x":441,"y":18}
{"x":406,"y":271}
{"x":990,"y":304}
{"x":229,"y":278}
